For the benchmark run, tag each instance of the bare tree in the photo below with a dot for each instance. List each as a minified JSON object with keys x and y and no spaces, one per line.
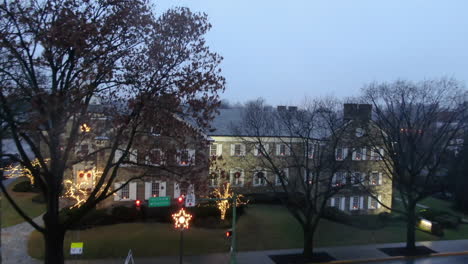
{"x":56,"y":56}
{"x":297,"y":147}
{"x":418,"y":123}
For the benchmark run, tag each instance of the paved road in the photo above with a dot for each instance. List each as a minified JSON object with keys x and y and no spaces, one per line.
{"x":429,"y":260}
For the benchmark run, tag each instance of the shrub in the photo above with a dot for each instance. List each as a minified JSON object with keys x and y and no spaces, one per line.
{"x":25,"y":186}
{"x":125,"y":214}
{"x":335,"y":214}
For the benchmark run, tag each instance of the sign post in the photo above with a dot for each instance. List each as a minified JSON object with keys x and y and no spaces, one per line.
{"x":181,"y":220}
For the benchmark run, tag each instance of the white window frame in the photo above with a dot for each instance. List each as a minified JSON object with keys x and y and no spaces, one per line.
{"x":285,"y":177}
{"x":256,"y":150}
{"x":354,"y":203}
{"x":336,"y":182}
{"x":132,"y":191}
{"x":362,"y":152}
{"x":211,"y":180}
{"x":262,"y":181}
{"x":191,"y":157}
{"x":241,"y":152}
{"x":343,"y":155}
{"x":370,"y":199}
{"x":149,"y":189}
{"x":233,"y":180}
{"x":219,"y":149}
{"x":287,"y":150}
{"x":378,"y":180}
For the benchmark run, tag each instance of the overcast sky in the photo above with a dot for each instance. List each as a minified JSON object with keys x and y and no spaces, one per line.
{"x":285,"y":50}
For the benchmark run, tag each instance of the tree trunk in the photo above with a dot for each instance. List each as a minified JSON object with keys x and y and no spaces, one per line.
{"x":308,"y":249}
{"x":54,"y":233}
{"x":53,"y":238}
{"x":411,"y":227}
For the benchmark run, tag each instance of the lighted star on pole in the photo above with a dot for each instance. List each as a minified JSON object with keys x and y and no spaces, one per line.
{"x":182,"y":219}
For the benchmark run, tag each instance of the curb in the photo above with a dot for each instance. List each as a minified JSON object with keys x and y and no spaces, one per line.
{"x":447,"y":254}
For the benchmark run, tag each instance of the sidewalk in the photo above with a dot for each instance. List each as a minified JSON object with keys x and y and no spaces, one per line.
{"x":347,"y":254}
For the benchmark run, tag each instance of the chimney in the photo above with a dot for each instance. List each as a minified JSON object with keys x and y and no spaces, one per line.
{"x":292,"y":108}
{"x":281,"y":108}
{"x":357,"y":112}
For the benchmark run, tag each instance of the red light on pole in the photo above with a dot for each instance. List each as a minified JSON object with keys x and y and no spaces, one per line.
{"x":228,"y":233}
{"x":181,"y":200}
{"x":137,"y":203}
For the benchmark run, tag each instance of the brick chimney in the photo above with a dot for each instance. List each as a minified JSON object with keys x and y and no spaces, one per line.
{"x":281,"y":108}
{"x":361,"y":112}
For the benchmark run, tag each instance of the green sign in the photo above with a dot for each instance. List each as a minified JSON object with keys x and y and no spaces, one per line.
{"x":76,"y":248}
{"x":159,"y":201}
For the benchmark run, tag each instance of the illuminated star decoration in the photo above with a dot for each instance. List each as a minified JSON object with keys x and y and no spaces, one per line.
{"x":182,"y":219}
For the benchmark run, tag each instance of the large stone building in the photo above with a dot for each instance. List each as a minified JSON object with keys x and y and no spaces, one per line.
{"x":360,"y":177}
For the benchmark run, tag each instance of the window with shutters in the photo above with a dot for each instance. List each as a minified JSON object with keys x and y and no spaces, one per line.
{"x":376,"y":154}
{"x":373,"y":204}
{"x":282,"y":150}
{"x":237,"y":177}
{"x":213,"y":179}
{"x":374,"y":178}
{"x":186,"y":157}
{"x":125,"y":192}
{"x":259,"y":178}
{"x":154,"y":189}
{"x":356,"y":178}
{"x":357,"y":154}
{"x":339,"y":155}
{"x":237,"y":150}
{"x":214,"y":150}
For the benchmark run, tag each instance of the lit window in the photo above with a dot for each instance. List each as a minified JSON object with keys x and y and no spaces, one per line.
{"x":358,"y":154}
{"x":374,"y":178}
{"x":125,"y":192}
{"x":186,"y":157}
{"x":355,"y":204}
{"x":282,"y":150}
{"x":373,"y":203}
{"x":155,"y":189}
{"x":339,"y":154}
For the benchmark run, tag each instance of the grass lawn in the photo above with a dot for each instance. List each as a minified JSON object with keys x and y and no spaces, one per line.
{"x":262,"y":227}
{"x":9,"y":216}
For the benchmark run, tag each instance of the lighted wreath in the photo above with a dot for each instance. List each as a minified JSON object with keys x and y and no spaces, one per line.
{"x":81,"y":175}
{"x":89,"y":174}
{"x":213,"y":175}
{"x":237,"y":174}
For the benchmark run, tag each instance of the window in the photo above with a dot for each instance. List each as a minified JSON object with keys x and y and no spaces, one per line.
{"x":358,"y":154}
{"x":155,"y":157}
{"x":284,"y":175}
{"x":258,"y":149}
{"x":373,"y":203}
{"x":155,"y":189}
{"x":237,"y":177}
{"x":237,"y":150}
{"x":312,"y":152}
{"x":259,"y":178}
{"x":356,"y":179}
{"x":155,"y":131}
{"x":374,"y":178}
{"x":376,"y":154}
{"x":354,"y":203}
{"x":310,"y":179}
{"x":186,"y":157}
{"x":125,"y":192}
{"x":336,"y":202}
{"x":341,"y":153}
{"x":339,"y":179}
{"x":282,"y":150}
{"x":213,"y":179}
{"x":214,"y":150}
